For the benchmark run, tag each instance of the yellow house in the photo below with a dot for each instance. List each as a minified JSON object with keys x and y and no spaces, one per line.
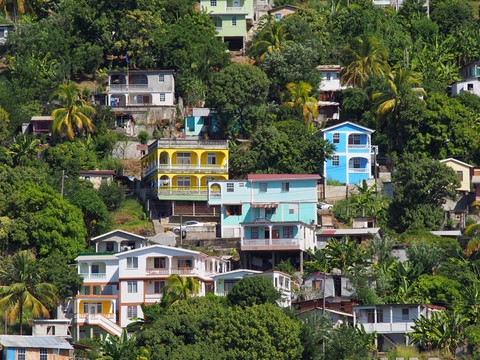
{"x":463,"y":171}
{"x":177,"y":171}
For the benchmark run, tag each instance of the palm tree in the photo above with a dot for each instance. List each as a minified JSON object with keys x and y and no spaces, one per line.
{"x":369,"y":58}
{"x":271,"y":38}
{"x":22,"y":287}
{"x":300,"y":96}
{"x":179,"y":288}
{"x":18,"y":7}
{"x":75,"y":116}
{"x":23,"y":149}
{"x":399,"y":81}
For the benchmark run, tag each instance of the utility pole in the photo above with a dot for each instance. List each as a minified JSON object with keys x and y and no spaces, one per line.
{"x":375,"y":165}
{"x":323,"y":306}
{"x":63,"y":183}
{"x":181,"y":231}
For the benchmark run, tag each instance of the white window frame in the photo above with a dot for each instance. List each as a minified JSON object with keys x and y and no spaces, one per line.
{"x":132,"y":287}
{"x":335,"y":160}
{"x":132,"y":312}
{"x":357,"y":163}
{"x":43,"y":354}
{"x":230,"y":187}
{"x":183,"y":158}
{"x":21,"y":353}
{"x":213,"y":2}
{"x":184,"y":181}
{"x":336,"y":138}
{"x":162,"y":97}
{"x":211,"y":159}
{"x":161,"y":78}
{"x":132,"y":262}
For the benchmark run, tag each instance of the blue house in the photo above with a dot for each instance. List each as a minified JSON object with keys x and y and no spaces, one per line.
{"x":202,"y":121}
{"x":274,"y":215}
{"x":352,"y":160}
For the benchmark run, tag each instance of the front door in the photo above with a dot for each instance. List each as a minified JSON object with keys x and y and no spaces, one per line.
{"x":93,"y":309}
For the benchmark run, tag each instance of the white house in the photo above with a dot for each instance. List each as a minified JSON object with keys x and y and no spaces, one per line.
{"x":127,"y":272}
{"x":391,"y":323}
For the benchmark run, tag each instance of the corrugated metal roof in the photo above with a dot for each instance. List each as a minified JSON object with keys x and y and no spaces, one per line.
{"x":48,"y":342}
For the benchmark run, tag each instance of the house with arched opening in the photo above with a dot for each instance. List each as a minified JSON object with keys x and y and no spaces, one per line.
{"x":354,"y":155}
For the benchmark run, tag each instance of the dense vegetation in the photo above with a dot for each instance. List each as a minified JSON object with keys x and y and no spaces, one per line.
{"x":399,"y":64}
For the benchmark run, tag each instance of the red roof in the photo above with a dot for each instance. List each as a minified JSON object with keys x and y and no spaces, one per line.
{"x":263,"y":177}
{"x":97,"y":172}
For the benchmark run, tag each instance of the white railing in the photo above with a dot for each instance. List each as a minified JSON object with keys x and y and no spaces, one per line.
{"x":96,"y":316}
{"x":396,"y":327}
{"x":169,"y":271}
{"x":270,"y":242}
{"x":192,"y":168}
{"x":92,"y":276}
{"x":236,"y":9}
{"x":361,"y":146}
{"x":221,"y":293}
{"x":358,"y":170}
{"x":128,"y":88}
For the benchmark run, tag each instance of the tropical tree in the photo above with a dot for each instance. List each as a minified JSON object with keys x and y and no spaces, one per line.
{"x":24,"y":149}
{"x":15,"y":8}
{"x":75,"y":116}
{"x":388,"y":102}
{"x":300,"y":97}
{"x":369,"y":58}
{"x":23,"y":287}
{"x":179,"y":288}
{"x":344,"y":254}
{"x":272,"y":38}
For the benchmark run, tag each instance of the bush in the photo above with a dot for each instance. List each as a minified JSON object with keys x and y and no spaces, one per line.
{"x":143,"y":137}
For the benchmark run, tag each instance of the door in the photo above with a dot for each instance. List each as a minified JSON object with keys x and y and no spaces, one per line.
{"x":93,"y":309}
{"x":236,"y":3}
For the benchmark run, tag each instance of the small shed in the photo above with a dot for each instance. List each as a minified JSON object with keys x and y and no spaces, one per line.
{"x":35,"y":347}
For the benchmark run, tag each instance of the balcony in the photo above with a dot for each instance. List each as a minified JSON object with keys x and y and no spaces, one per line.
{"x":359,"y":170}
{"x":187,"y":169}
{"x":272,"y":244}
{"x":358,"y":146}
{"x":385,"y":328}
{"x":188,"y":144}
{"x":236,"y":9}
{"x":169,"y":271}
{"x":93,"y":276}
{"x":109,"y":316}
{"x":124,"y":88}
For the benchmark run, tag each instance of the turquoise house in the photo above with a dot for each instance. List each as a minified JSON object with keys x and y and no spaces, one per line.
{"x":231,"y":18}
{"x":352,"y":160}
{"x":274,"y":215}
{"x":201,"y":122}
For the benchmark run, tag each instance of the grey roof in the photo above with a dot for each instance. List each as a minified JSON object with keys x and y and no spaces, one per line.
{"x":48,"y":342}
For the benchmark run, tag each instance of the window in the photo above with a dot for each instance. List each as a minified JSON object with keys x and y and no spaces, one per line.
{"x":95,"y":269}
{"x":263,"y":187}
{"x":254,"y":233}
{"x":184,"y":263}
{"x":234,"y":21}
{"x":85,"y":290}
{"x":335,"y":160}
{"x":354,"y":139}
{"x":357,"y":163}
{"x":285,"y":186}
{"x":21,"y":354}
{"x":370,"y":316}
{"x":269,"y":212}
{"x":92,"y":308}
{"x":233,"y":210}
{"x":132,"y":287}
{"x":288,"y":232}
{"x":329,"y":76}
{"x":213,"y":2}
{"x":183,"y":181}
{"x":317,"y":284}
{"x":405,"y":314}
{"x":141,"y":99}
{"x":132,"y":263}
{"x":131,"y":312}
{"x":217,"y":22}
{"x":336,"y":138}
{"x":228,"y":285}
{"x":109,"y":246}
{"x":293,"y":209}
{"x":43,"y":354}
{"x":241,"y":185}
{"x":230,"y":187}
{"x":162,"y":97}
{"x":460,"y":175}
{"x":211,"y":159}
{"x":159,"y":263}
{"x":379,"y":316}
{"x":278,"y":17}
{"x":97,"y":290}
{"x":183,"y":158}
{"x":158,"y":286}
{"x":469,"y":87}
{"x":161,"y":78}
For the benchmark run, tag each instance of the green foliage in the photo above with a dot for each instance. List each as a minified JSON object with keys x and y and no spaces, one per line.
{"x":143,"y":137}
{"x":71,"y":157}
{"x":112,"y":194}
{"x":130,"y":217}
{"x":24,"y":288}
{"x":202,"y":328}
{"x":418,"y":196}
{"x":286,"y":267}
{"x":253,"y":290}
{"x":178,"y":288}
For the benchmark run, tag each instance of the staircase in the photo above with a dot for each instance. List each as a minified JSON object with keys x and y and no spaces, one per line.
{"x":105,"y":323}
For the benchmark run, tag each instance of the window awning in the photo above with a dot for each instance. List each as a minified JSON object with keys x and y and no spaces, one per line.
{"x":265,"y":205}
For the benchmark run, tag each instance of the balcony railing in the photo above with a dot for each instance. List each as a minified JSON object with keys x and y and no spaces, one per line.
{"x":272,"y":242}
{"x":169,"y":271}
{"x":358,"y":147}
{"x":94,"y":276}
{"x":395,"y":327}
{"x":129,"y":88}
{"x":188,"y":144}
{"x":87,"y":316}
{"x":236,"y":9}
{"x":182,"y":190}
{"x":358,"y":170}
